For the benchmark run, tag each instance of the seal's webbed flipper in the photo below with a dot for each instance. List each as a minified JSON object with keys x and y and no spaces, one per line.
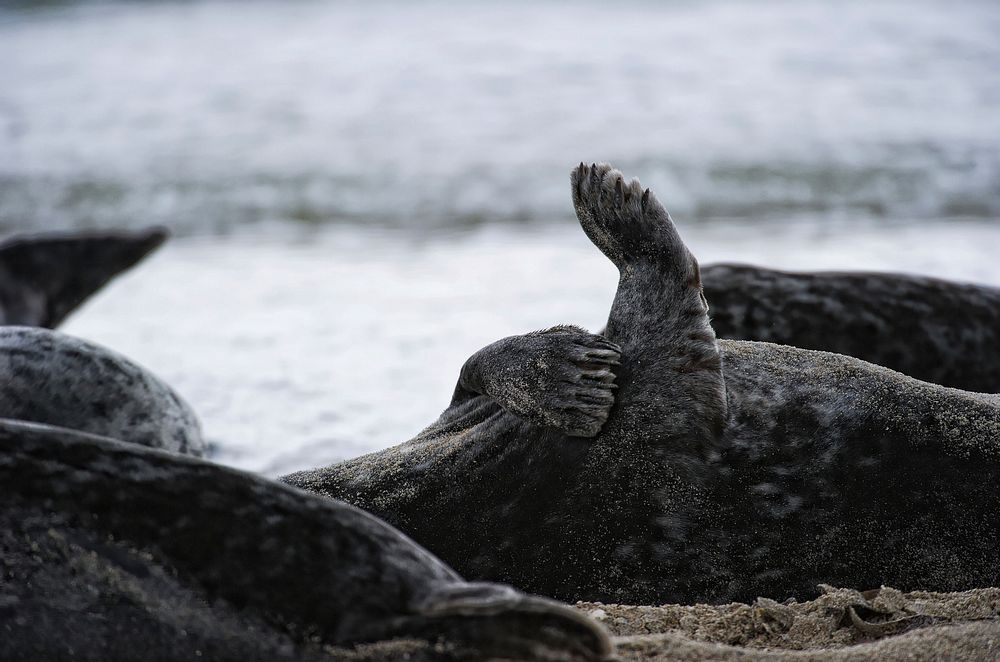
{"x":512,"y":625}
{"x":628,"y":224}
{"x":44,"y":277}
{"x":670,"y":357}
{"x":559,"y":378}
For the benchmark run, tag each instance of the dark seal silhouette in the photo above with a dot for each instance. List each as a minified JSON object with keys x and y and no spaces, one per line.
{"x":722,"y":471}
{"x":44,"y":277}
{"x":932,"y":329}
{"x":54,"y":378}
{"x":112,"y":551}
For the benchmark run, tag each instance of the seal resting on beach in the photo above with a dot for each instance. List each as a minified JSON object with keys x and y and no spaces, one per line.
{"x":54,"y":378}
{"x":932,"y":329}
{"x":44,"y":277}
{"x":111,"y":551}
{"x":722,"y":471}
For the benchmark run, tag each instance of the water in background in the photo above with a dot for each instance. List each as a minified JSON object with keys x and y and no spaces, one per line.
{"x":366,"y":192}
{"x":212,"y":116}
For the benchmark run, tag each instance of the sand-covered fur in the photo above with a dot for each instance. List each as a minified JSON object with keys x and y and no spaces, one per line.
{"x":560,"y":378}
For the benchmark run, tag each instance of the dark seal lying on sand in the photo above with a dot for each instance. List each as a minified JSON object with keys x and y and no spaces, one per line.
{"x":722,"y":471}
{"x":44,"y":277}
{"x":111,"y":551}
{"x":932,"y":329}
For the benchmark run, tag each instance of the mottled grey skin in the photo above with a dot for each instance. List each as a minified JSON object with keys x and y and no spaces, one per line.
{"x":935,"y":330}
{"x":111,"y":551}
{"x":724,"y":471}
{"x":50,"y":377}
{"x":44,"y":277}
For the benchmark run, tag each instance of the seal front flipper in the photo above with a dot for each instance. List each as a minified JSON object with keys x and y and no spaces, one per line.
{"x":560,"y":378}
{"x":44,"y":277}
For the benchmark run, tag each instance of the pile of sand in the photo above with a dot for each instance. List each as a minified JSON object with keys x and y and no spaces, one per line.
{"x":841,"y":624}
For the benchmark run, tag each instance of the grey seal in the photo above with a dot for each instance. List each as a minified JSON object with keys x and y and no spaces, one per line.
{"x":932,"y":329}
{"x":112,"y":551}
{"x":722,"y":470}
{"x":44,"y":277}
{"x":50,"y":377}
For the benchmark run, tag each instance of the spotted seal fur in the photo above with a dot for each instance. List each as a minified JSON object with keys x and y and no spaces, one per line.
{"x":50,"y":377}
{"x":112,"y":551}
{"x":932,"y":329}
{"x":44,"y":277}
{"x":723,"y":471}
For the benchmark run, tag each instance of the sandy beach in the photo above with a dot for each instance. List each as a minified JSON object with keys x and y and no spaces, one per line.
{"x":841,"y":624}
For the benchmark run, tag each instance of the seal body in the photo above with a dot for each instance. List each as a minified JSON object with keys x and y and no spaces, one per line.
{"x":45,"y":277}
{"x":50,"y":377}
{"x":112,"y":551}
{"x":722,"y":471}
{"x":935,"y":330}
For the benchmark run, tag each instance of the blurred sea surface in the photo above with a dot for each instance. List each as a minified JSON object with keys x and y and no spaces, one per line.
{"x":364,"y":193}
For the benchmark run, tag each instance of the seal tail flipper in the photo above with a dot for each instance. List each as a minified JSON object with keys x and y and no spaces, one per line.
{"x":671,"y":362}
{"x":44,"y":277}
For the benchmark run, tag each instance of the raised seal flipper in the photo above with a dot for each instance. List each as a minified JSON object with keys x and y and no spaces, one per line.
{"x":559,"y":378}
{"x":649,"y":469}
{"x":44,"y":277}
{"x":670,"y":356}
